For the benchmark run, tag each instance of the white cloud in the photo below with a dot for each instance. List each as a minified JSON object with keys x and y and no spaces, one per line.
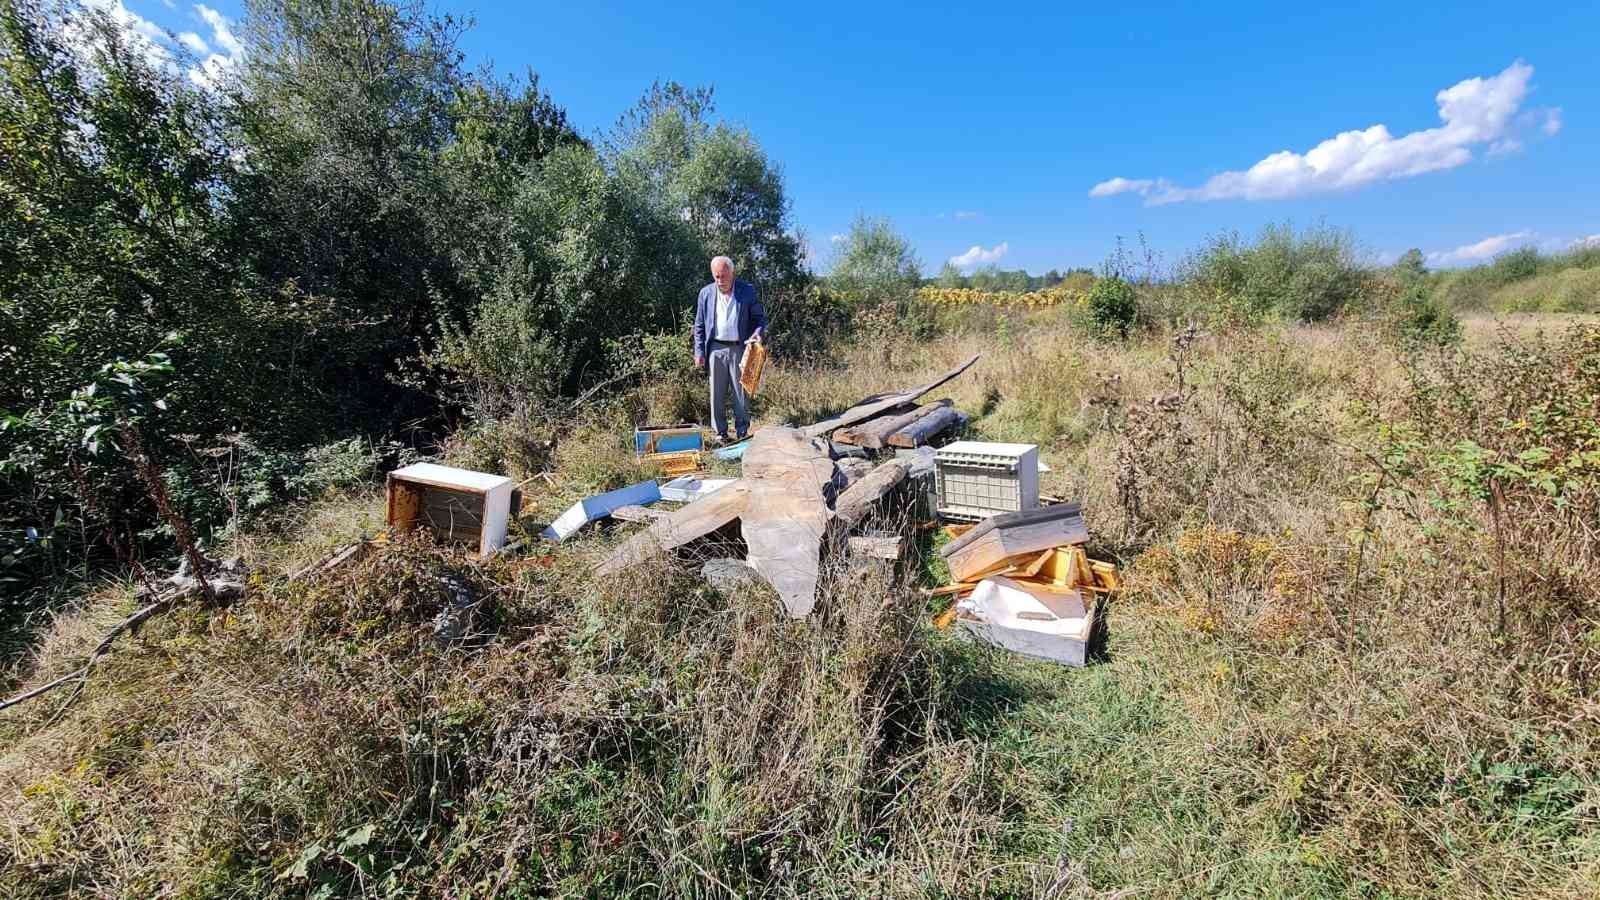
{"x":1122,"y":186}
{"x":836,"y":238}
{"x":1592,"y":240}
{"x":1485,"y":249}
{"x":216,"y":67}
{"x":978,"y":256}
{"x":140,"y":33}
{"x":194,"y":42}
{"x":1552,"y":121}
{"x":220,"y":30}
{"x":1474,"y":111}
{"x":966,"y":214}
{"x":1505,"y":147}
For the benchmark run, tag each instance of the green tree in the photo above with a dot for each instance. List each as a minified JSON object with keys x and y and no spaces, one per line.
{"x":874,"y":263}
{"x":1015,"y":281}
{"x":588,"y":261}
{"x":986,"y":278}
{"x":951,"y":277}
{"x":715,"y":176}
{"x":1411,"y":265}
{"x":348,"y":108}
{"x":115,"y":232}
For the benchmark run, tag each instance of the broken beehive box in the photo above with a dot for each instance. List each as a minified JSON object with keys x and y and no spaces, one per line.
{"x":456,"y":504}
{"x":1034,"y":619}
{"x":991,"y":545}
{"x":599,"y":507}
{"x":668,"y":439}
{"x":675,"y":463}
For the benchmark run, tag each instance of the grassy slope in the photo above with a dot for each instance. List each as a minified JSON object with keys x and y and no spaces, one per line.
{"x":1291,"y":704}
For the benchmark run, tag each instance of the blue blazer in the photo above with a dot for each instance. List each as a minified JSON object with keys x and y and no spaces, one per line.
{"x":752,"y":315}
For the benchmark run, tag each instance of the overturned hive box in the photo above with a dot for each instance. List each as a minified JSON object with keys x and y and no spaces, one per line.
{"x":456,"y":504}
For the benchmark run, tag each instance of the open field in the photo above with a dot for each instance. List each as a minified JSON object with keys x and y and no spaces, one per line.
{"x":1353,"y":659}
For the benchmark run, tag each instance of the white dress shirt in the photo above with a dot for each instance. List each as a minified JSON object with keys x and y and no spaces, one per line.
{"x":727,"y":327}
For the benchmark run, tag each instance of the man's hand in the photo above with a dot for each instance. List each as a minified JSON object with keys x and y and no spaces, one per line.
{"x":699,"y":362}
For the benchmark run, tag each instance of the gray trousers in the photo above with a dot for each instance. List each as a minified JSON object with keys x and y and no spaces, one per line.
{"x":723,"y":367}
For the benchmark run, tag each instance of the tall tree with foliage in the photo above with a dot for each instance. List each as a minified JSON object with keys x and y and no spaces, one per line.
{"x":874,"y":263}
{"x":114,"y":244}
{"x":715,"y":176}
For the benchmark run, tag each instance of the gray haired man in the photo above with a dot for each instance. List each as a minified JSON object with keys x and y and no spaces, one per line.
{"x":727,"y":315}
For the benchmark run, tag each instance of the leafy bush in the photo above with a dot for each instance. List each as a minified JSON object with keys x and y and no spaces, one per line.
{"x":1307,"y":276}
{"x":1113,"y":307}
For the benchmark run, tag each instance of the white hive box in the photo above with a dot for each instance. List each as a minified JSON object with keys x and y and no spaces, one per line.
{"x":457,"y":504}
{"x":1031,"y":619}
{"x":978,"y":479}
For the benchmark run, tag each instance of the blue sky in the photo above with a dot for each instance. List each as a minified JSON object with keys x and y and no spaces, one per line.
{"x":981,"y":129}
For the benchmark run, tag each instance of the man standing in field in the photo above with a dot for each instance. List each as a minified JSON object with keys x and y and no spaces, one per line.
{"x":727,"y":316}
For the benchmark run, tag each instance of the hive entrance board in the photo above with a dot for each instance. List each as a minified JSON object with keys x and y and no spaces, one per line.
{"x":458,"y":505}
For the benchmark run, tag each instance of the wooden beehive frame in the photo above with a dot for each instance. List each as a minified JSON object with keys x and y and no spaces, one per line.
{"x":753,"y":367}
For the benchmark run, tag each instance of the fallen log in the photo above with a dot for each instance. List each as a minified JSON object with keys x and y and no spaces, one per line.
{"x":333,"y":560}
{"x":878,"y":403}
{"x":874,"y":433}
{"x":925,"y":429}
{"x":788,"y":476}
{"x":857,"y":435}
{"x":857,"y":501}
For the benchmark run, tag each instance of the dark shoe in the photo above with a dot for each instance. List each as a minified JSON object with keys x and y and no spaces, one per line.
{"x":719,"y":440}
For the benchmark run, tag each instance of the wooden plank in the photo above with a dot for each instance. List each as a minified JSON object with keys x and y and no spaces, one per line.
{"x":860,"y":498}
{"x":1105,"y":575}
{"x":960,"y":587}
{"x":876,"y":404}
{"x":633,"y":513}
{"x":681,"y":526}
{"x":877,"y":547}
{"x":1033,"y":568}
{"x":999,"y":545}
{"x":874,"y":433}
{"x":1005,"y":520}
{"x":788,"y":474}
{"x":857,"y":434}
{"x":944,"y":619}
{"x":924,"y":430}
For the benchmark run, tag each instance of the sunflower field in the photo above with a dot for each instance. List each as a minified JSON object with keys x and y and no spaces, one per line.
{"x":1049,"y":297}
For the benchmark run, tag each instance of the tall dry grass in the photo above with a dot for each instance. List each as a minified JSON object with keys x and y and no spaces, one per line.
{"x":1355,"y":658}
